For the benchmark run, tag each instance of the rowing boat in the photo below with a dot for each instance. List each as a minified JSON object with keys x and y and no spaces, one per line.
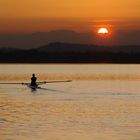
{"x":37,"y":84}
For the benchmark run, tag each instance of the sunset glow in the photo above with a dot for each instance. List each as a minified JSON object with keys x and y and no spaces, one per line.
{"x":75,"y":21}
{"x":40,"y":16}
{"x":103,"y":31}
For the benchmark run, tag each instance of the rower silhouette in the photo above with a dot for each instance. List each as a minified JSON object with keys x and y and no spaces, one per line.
{"x":33,"y":80}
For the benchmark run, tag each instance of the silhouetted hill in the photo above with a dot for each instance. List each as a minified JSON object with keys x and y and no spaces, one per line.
{"x":72,"y":53}
{"x":58,"y":47}
{"x":9,"y":49}
{"x":34,"y":40}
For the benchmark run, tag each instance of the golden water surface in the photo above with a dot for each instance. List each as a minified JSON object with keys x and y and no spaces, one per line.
{"x":97,"y":109}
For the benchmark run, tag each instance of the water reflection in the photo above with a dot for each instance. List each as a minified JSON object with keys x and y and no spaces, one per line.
{"x":99,"y":109}
{"x":78,"y":114}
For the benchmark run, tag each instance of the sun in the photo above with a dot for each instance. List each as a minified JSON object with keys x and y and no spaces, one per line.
{"x":103,"y":31}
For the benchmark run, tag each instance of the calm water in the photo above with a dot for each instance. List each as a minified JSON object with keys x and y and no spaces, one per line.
{"x":102,"y":103}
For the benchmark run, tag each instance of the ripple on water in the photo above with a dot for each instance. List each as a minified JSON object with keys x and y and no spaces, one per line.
{"x":95,"y":113}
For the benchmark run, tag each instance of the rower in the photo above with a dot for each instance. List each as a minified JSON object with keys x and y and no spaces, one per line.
{"x":33,"y":80}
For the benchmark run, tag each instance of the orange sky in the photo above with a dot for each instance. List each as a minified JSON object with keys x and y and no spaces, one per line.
{"x":45,"y":15}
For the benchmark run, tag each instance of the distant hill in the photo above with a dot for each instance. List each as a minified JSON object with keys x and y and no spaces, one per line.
{"x":9,"y":49}
{"x":34,"y":40}
{"x":58,"y":47}
{"x":71,"y":53}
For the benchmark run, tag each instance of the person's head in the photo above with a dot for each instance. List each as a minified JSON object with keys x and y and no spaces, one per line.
{"x":33,"y":75}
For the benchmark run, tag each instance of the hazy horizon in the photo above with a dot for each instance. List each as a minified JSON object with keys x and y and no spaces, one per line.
{"x":37,"y":39}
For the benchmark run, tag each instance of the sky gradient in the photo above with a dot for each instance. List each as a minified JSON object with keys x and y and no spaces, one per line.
{"x":28,"y":16}
{"x":45,"y":15}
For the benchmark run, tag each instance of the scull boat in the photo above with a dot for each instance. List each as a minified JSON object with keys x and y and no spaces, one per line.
{"x":38,"y":84}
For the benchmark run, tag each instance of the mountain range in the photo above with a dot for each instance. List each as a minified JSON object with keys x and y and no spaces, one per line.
{"x":71,"y":53}
{"x":37,"y":39}
{"x":58,"y":47}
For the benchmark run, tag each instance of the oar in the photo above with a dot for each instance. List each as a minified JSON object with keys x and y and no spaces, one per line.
{"x":12,"y":83}
{"x":44,"y":82}
{"x":53,"y":82}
